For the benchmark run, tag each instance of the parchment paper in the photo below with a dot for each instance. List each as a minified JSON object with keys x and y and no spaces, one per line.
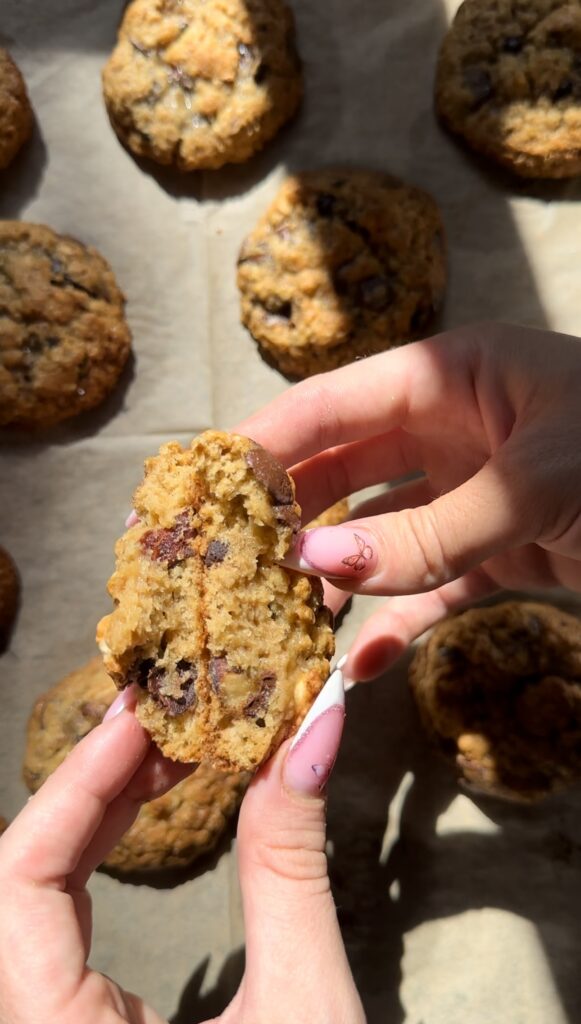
{"x":453,"y":909}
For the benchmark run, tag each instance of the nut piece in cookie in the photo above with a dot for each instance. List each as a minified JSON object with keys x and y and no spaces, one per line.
{"x":9,"y":596}
{"x":200,"y":85}
{"x":64,"y":339}
{"x":229,"y":648}
{"x":16,"y":118}
{"x":508,"y":82}
{"x":498,"y":690}
{"x":343,"y":264}
{"x":172,"y":831}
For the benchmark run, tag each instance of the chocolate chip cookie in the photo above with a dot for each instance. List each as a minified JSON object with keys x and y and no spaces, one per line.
{"x":172,"y":831}
{"x":499,"y":691}
{"x":343,"y":264}
{"x":229,"y":648}
{"x":509,"y":83}
{"x":202,"y":85}
{"x":64,"y":339}
{"x":16,"y":117}
{"x":332,"y":516}
{"x":9,"y":594}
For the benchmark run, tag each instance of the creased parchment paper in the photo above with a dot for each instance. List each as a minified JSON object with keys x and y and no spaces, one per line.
{"x":453,"y":909}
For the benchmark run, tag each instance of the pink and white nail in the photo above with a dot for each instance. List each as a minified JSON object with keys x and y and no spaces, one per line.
{"x":132,"y":519}
{"x":314,"y":749}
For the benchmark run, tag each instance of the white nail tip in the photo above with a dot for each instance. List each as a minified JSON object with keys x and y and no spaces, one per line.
{"x":342,"y":661}
{"x":332,"y":695}
{"x":132,"y":519}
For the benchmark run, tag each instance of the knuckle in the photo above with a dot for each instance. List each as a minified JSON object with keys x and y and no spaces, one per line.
{"x":319,"y":396}
{"x":431,"y":563}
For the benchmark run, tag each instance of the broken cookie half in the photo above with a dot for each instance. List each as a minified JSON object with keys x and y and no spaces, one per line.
{"x":228,"y":648}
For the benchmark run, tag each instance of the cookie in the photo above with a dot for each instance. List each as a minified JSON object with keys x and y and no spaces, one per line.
{"x":9,"y":595}
{"x":499,"y":691}
{"x":229,"y":648}
{"x":202,"y":85}
{"x":172,"y":831}
{"x":64,"y":339}
{"x":332,"y":516}
{"x":16,"y":117}
{"x":508,"y":82}
{"x":343,"y":264}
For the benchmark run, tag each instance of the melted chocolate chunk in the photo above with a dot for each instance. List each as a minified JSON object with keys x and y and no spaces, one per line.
{"x":278,"y":307}
{"x":513,"y":44}
{"x":374,"y":292}
{"x":174,"y":690}
{"x":139,"y":672}
{"x":171,"y":545}
{"x":258,"y":703}
{"x":563,"y":90}
{"x":218,"y":668}
{"x":269,"y":472}
{"x":216,"y":553}
{"x":479,"y":82}
{"x":287,"y":515}
{"x":325,"y":204}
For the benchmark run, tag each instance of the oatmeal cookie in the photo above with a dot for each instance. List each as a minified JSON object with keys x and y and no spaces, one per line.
{"x":9,"y":595}
{"x":202,"y":85}
{"x":16,"y":117}
{"x":343,"y":264}
{"x":172,"y":831}
{"x":499,"y":691}
{"x":229,"y":648}
{"x":64,"y":339}
{"x":508,"y":82}
{"x":332,"y":516}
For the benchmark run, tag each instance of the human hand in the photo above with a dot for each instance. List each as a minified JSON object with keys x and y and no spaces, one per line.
{"x":296,"y":965}
{"x":491,"y":415}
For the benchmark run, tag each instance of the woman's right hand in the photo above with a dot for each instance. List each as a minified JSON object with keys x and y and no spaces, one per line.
{"x":491,"y":416}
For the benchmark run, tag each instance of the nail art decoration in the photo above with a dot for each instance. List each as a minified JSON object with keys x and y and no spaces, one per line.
{"x":359,"y":560}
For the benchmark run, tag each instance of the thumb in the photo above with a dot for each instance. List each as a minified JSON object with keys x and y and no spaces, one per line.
{"x":421,"y":548}
{"x":290,"y":921}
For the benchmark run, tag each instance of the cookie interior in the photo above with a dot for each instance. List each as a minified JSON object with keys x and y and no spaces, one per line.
{"x":229,"y":648}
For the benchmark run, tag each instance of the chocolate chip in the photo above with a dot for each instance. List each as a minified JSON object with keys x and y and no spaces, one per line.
{"x":325,"y":203}
{"x":286,"y":514}
{"x":374,"y":292}
{"x":217,"y":551}
{"x":278,"y":307}
{"x":512,"y":44}
{"x":175,"y":691}
{"x":261,"y":73}
{"x":421,"y":318}
{"x":170,"y":545}
{"x":563,"y":90}
{"x":218,"y":668}
{"x":479,"y":82}
{"x":177,"y":76}
{"x":258,"y":704}
{"x":269,"y":472}
{"x":139,"y":672}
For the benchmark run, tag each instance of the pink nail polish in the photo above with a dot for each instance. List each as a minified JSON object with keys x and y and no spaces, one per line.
{"x":132,"y":518}
{"x":341,"y":551}
{"x":124,"y":701}
{"x":314,"y":749}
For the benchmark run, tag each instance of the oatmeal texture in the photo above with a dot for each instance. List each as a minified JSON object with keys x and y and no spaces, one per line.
{"x":16,"y":118}
{"x":199,"y":85}
{"x":509,"y":83}
{"x":229,"y":648}
{"x":64,"y":339}
{"x":343,"y":264}
{"x":499,"y":691}
{"x":172,"y":831}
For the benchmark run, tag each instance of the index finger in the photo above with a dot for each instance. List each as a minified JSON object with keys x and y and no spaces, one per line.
{"x":359,"y":401}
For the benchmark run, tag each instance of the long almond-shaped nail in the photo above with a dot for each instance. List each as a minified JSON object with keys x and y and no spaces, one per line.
{"x":314,"y":749}
{"x":343,"y":552}
{"x":124,"y":701}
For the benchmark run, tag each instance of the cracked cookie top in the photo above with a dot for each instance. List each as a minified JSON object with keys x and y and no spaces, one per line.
{"x":199,"y":85}
{"x":509,"y":82}
{"x":16,"y":117}
{"x":64,"y":339}
{"x":344,"y":263}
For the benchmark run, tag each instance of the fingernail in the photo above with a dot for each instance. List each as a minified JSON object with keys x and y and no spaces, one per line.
{"x":349,"y":683}
{"x":132,"y":518}
{"x":314,"y":749}
{"x":124,"y":701}
{"x":344,"y":552}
